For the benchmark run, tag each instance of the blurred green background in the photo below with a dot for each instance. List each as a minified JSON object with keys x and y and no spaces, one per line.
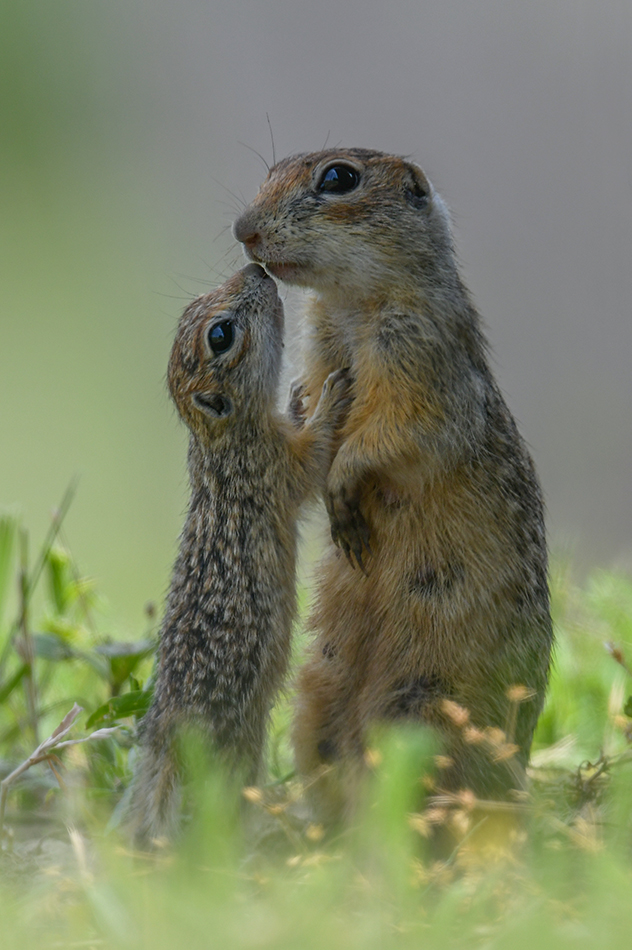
{"x":122,"y":166}
{"x":86,"y":294}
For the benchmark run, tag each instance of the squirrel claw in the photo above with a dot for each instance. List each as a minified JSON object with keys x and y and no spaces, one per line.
{"x":364,"y":536}
{"x":349,"y":530}
{"x":296,"y":405}
{"x":338,"y":387}
{"x":343,"y":544}
{"x":357,"y":551}
{"x":361,"y":546}
{"x":353,"y":540}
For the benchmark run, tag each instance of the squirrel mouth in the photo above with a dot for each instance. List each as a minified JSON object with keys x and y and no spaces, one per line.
{"x":283,"y":270}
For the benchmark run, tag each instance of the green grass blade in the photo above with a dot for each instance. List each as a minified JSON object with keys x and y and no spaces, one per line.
{"x":8,"y":530}
{"x":16,"y":679}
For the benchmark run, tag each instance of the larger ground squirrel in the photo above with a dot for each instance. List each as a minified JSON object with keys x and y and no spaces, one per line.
{"x":432,"y":491}
{"x":225,"y":638}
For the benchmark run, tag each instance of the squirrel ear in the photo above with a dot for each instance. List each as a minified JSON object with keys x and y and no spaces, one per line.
{"x":416,"y":187}
{"x":213,"y":404}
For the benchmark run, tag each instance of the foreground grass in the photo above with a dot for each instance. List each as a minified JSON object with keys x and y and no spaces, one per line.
{"x":556,"y":871}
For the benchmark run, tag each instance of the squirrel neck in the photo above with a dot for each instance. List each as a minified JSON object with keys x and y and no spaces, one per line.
{"x":437,"y":294}
{"x":213,"y":455}
{"x":421,"y":282}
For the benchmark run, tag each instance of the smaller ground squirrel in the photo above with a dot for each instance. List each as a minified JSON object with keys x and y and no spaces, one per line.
{"x":225,"y":637}
{"x":432,"y":491}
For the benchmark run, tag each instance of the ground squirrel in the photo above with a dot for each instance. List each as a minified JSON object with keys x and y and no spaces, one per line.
{"x":442,"y":601}
{"x":225,"y":637}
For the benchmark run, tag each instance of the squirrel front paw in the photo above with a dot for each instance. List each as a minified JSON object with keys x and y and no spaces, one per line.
{"x":334,"y":400}
{"x":336,"y":396}
{"x":296,"y":405}
{"x":349,"y":529}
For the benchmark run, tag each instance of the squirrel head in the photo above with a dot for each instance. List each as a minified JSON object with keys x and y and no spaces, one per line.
{"x":351,"y":220}
{"x":226,"y":358}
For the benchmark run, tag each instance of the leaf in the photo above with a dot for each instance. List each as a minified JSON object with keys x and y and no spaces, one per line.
{"x":59,"y":577}
{"x":134,"y":703}
{"x":68,"y":630}
{"x":119,"y":649}
{"x":98,"y":663}
{"x":123,"y":658}
{"x":66,"y":723}
{"x":49,"y":646}
{"x":627,"y":709}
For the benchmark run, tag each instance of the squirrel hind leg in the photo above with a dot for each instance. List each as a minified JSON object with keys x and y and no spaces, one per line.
{"x":326,"y":752}
{"x":154,"y":811}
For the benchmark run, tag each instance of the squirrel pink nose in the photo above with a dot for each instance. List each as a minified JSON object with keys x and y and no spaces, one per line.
{"x":251,"y":240}
{"x":245,"y":232}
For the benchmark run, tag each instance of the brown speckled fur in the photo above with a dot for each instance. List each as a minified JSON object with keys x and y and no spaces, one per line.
{"x":431,"y":472}
{"x":225,"y":638}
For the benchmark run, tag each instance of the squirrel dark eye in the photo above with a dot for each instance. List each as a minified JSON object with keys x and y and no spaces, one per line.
{"x":339,"y":178}
{"x":220,"y":336}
